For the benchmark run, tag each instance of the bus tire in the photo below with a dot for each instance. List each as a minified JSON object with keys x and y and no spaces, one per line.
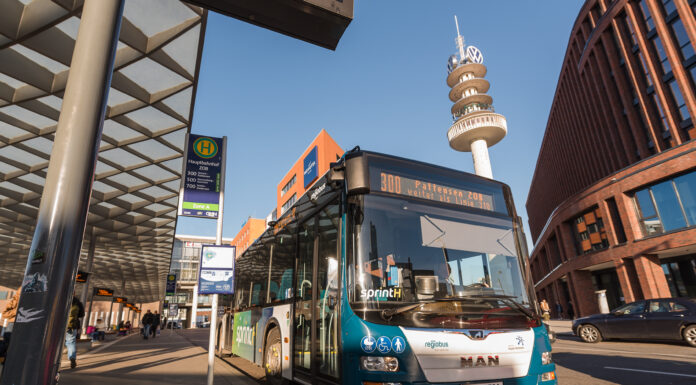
{"x":273,"y":358}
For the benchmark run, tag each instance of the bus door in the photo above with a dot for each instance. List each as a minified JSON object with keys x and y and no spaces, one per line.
{"x":316,"y":322}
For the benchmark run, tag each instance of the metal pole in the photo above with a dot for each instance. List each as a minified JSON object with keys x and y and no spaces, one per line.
{"x":39,"y":331}
{"x":194,"y":307}
{"x":120,"y":305}
{"x":85,"y":289}
{"x":218,"y":241}
{"x":111,"y":314}
{"x":88,"y":318}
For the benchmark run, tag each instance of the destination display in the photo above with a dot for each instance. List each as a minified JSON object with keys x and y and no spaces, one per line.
{"x":103,"y":292}
{"x":120,"y":300}
{"x":81,"y":276}
{"x":425,"y":189}
{"x":203,"y":177}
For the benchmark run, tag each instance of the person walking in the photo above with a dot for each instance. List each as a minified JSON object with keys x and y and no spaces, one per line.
{"x":155,"y":324}
{"x":9,"y":314}
{"x":77,"y":311}
{"x":545,"y":311}
{"x":147,"y":323}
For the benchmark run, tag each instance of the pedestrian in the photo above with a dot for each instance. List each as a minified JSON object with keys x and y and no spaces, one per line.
{"x":77,"y":311}
{"x":128,"y":327}
{"x":545,"y":312}
{"x":559,"y":310}
{"x":155,"y":324}
{"x":9,"y":315}
{"x":571,"y":311}
{"x":147,"y":323}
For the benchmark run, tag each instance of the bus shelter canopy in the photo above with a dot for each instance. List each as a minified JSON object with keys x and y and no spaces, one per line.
{"x":149,"y":111}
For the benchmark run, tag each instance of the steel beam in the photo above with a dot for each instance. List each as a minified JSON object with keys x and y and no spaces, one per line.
{"x":34,"y":354}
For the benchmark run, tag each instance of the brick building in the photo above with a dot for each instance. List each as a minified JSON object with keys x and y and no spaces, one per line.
{"x":612,"y":205}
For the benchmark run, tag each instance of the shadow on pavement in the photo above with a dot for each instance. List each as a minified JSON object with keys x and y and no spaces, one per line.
{"x":628,"y":370}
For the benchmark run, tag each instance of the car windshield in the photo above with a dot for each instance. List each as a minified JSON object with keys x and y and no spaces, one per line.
{"x":411,"y":257}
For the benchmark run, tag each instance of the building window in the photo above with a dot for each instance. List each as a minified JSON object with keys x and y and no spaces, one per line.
{"x":669,"y":7}
{"x":288,"y":204}
{"x":668,"y":205}
{"x":646,"y":16}
{"x":288,"y":185}
{"x":681,"y":275}
{"x":683,"y":41}
{"x":666,"y":67}
{"x":589,"y":232}
{"x":679,"y":99}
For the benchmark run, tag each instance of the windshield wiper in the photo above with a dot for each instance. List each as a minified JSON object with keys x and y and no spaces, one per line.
{"x":388,"y":313}
{"x":507,"y":299}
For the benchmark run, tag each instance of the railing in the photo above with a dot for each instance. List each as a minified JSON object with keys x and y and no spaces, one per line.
{"x":476,"y":121}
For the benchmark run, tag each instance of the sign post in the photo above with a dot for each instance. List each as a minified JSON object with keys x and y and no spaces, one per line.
{"x":202,"y":195}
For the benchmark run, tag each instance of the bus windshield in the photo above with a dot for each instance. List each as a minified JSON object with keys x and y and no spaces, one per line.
{"x":425,"y":265}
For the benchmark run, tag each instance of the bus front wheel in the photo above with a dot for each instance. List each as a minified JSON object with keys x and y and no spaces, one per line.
{"x":273,"y":358}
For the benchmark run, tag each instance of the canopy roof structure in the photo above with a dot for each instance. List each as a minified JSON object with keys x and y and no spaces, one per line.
{"x":134,"y":200}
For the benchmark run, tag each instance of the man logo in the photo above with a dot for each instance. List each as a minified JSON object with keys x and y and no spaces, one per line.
{"x":468,"y":362}
{"x":205,"y":148}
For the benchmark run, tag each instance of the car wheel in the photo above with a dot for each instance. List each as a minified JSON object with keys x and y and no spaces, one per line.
{"x":689,"y":334}
{"x":273,"y":359}
{"x":590,"y":334}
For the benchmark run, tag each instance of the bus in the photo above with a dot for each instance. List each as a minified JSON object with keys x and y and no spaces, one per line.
{"x":390,"y":271}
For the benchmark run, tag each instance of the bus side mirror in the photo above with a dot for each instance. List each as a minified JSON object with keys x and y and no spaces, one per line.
{"x":357,"y":175}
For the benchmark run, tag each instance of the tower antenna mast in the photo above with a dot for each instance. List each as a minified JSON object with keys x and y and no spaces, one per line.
{"x":459,"y":40}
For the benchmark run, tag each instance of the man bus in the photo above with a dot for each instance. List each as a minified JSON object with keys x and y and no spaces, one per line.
{"x":391,"y":271}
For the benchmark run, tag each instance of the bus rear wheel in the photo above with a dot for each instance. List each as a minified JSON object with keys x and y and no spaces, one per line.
{"x":272,"y":358}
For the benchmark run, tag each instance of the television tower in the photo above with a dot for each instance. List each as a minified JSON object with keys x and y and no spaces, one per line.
{"x":476,"y":125}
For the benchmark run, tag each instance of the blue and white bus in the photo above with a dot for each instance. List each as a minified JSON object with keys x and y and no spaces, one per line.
{"x":391,"y":271}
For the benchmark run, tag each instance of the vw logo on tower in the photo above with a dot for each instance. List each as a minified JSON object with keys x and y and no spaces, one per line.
{"x":474,"y":55}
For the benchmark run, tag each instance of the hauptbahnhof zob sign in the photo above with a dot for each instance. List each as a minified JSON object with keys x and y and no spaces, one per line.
{"x":203,"y":177}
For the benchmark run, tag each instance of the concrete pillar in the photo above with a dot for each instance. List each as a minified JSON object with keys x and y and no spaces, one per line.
{"x":122,"y":293}
{"x":653,"y":282}
{"x":482,"y":163}
{"x":34,"y":353}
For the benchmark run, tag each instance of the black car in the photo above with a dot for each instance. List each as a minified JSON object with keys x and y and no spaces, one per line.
{"x":655,"y":319}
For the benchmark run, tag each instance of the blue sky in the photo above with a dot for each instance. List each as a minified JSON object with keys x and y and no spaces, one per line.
{"x":383,"y":89}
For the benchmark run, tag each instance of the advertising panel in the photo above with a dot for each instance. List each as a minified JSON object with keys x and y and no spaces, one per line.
{"x":171,"y":284}
{"x":311,"y":167}
{"x":216,"y":275}
{"x":244,"y":331}
{"x":203,"y":177}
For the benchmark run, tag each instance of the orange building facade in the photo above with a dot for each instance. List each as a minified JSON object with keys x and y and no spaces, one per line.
{"x":251,"y":230}
{"x":313,"y":163}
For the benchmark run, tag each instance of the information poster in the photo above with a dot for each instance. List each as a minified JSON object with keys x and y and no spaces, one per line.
{"x":216,"y":274}
{"x":203,"y":177}
{"x":173,"y":310}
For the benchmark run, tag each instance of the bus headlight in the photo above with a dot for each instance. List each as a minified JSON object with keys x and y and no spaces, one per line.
{"x":379,"y":364}
{"x":548,"y":376}
{"x":545,"y":358}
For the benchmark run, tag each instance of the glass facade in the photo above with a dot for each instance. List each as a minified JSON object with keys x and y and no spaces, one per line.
{"x":681,"y":275}
{"x":185,"y":260}
{"x":668,"y":205}
{"x":589,"y":232}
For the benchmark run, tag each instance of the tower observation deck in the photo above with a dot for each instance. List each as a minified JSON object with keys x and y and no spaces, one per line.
{"x":476,"y":125}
